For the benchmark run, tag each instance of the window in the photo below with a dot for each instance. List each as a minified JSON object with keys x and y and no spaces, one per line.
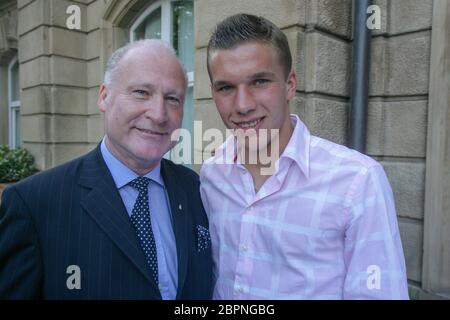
{"x":15,"y":139}
{"x":173,"y":22}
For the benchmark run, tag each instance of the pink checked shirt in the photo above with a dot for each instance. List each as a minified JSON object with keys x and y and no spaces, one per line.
{"x":322,"y":227}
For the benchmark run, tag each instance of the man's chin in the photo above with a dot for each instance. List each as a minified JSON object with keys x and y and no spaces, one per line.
{"x":254,"y":143}
{"x":151,"y":153}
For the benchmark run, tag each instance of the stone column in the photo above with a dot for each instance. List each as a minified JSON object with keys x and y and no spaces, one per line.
{"x":436,"y":257}
{"x":55,"y":74}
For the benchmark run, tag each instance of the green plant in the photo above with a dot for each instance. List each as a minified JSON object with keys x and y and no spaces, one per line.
{"x":15,"y":164}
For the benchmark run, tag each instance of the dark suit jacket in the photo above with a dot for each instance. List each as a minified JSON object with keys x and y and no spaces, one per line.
{"x":73,"y":215}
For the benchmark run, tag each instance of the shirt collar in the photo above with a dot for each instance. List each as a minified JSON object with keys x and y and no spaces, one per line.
{"x":297,"y":148}
{"x":123,"y":175}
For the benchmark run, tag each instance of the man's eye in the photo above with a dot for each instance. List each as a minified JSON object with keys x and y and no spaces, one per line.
{"x":140,"y":93}
{"x":224,"y":88}
{"x":260,"y":82}
{"x":173,"y":100}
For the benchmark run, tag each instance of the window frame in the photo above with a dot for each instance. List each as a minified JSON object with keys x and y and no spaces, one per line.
{"x":13,"y":105}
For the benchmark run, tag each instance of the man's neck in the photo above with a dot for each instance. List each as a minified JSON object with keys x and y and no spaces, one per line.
{"x":261,"y":170}
{"x":139,"y":168}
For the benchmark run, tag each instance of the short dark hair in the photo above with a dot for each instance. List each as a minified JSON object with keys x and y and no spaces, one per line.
{"x":241,"y":28}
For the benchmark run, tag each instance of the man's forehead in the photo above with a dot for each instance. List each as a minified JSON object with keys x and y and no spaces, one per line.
{"x":148,"y":52}
{"x":251,"y":44}
{"x":150,"y":57}
{"x":252,"y":57}
{"x":252,"y":61}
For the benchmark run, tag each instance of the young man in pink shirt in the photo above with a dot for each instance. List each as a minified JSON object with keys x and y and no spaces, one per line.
{"x":318,"y":220}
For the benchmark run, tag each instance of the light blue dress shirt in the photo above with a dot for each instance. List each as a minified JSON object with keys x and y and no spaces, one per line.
{"x":161,"y":217}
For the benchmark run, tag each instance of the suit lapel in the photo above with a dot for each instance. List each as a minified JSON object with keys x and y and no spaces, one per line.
{"x":104,"y":204}
{"x":178,"y":206}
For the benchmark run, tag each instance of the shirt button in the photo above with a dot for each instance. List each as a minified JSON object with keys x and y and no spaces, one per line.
{"x":244,"y":248}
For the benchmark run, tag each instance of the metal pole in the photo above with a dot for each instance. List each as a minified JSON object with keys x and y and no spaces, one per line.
{"x":360,"y":77}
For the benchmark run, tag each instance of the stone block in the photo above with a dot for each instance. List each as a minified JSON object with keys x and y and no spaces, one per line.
{"x":383,"y":5}
{"x":53,"y":70}
{"x":35,"y":100}
{"x":411,"y":232}
{"x":92,"y":97}
{"x":23,"y":3}
{"x":70,"y":72}
{"x":94,"y":13}
{"x":41,"y":152}
{"x":400,"y":65}
{"x":378,"y":67}
{"x":397,"y":128}
{"x":408,"y":65}
{"x":325,"y":118}
{"x":46,"y":41}
{"x":35,"y":72}
{"x":36,"y":128}
{"x":32,"y":15}
{"x":54,"y":128}
{"x":68,"y":100}
{"x":58,"y":15}
{"x":331,"y":16}
{"x":409,"y":15}
{"x":93,"y":45}
{"x":328,"y":63}
{"x":49,"y":13}
{"x":34,"y":44}
{"x":408,"y":184}
{"x":53,"y":99}
{"x":95,"y":128}
{"x":208,"y":13}
{"x":69,"y":128}
{"x":63,"y":152}
{"x":68,"y":43}
{"x":94,"y":76}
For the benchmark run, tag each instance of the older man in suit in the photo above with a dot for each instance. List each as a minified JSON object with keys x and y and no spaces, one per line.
{"x":119,"y":222}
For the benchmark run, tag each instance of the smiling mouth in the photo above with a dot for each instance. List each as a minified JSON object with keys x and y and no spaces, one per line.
{"x":148,"y":131}
{"x":249,"y":124}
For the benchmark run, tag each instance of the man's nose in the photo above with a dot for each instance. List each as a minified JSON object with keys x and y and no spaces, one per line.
{"x":245,"y":101}
{"x":156,"y":109}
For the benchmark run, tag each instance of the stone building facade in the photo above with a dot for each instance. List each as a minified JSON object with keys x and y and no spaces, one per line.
{"x":60,"y":70}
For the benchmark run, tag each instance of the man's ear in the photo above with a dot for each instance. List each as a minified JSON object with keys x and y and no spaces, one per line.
{"x":291,"y":85}
{"x":102,"y":95}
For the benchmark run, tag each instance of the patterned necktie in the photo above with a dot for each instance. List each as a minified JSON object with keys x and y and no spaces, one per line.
{"x":140,"y":217}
